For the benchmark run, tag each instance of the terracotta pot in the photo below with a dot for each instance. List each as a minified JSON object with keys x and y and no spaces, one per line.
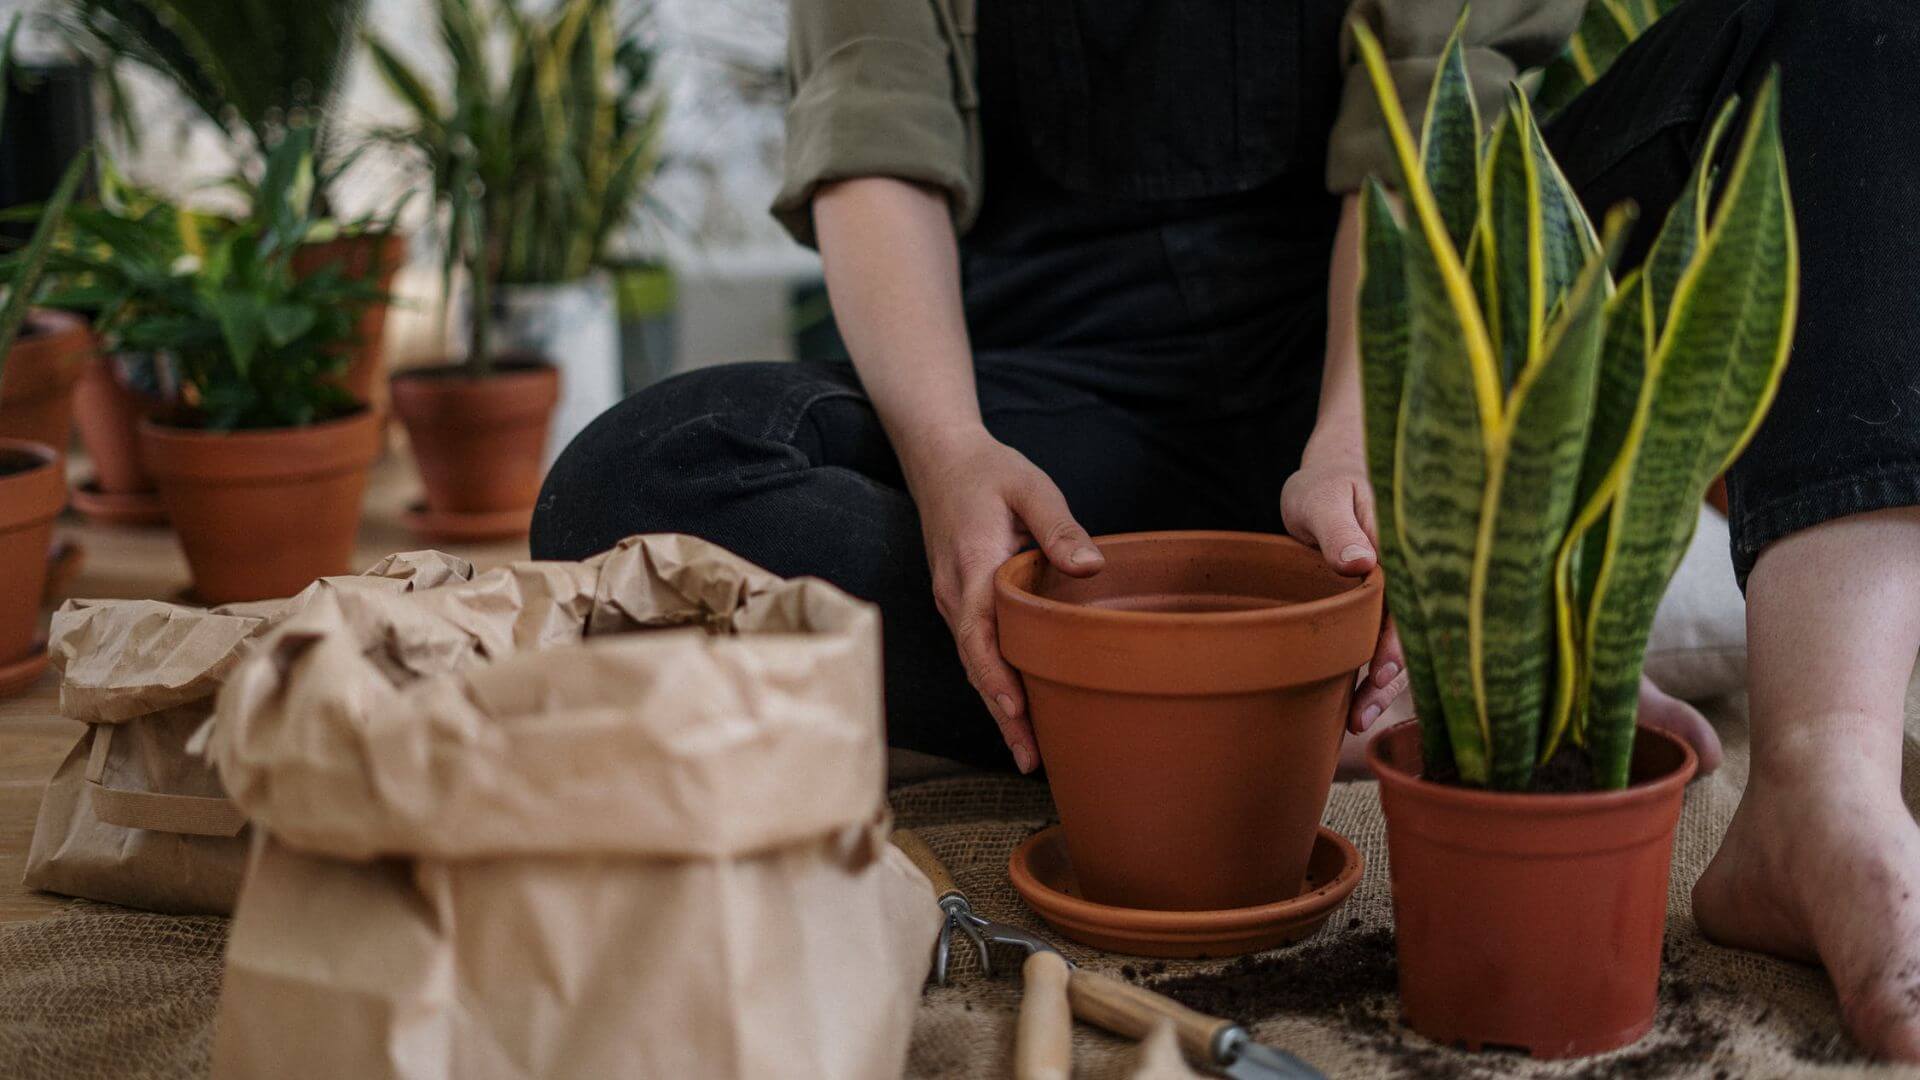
{"x":1188,"y":701}
{"x":374,"y":257}
{"x":262,"y":513}
{"x":32,"y":492}
{"x":41,"y":368}
{"x":1530,"y":922}
{"x":478,"y":440}
{"x":108,"y":414}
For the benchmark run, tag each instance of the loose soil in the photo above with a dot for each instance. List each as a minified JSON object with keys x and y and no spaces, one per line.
{"x":12,"y":464}
{"x":1568,"y":772}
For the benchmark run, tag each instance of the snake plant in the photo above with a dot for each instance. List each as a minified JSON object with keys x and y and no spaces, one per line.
{"x":1607,"y":27}
{"x":1539,"y":436}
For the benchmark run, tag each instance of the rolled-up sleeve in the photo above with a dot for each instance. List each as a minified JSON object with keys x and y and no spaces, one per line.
{"x":874,"y":94}
{"x":1503,"y":39}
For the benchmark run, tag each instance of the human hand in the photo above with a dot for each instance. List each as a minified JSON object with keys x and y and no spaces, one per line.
{"x":981,"y":502}
{"x":1328,"y":504}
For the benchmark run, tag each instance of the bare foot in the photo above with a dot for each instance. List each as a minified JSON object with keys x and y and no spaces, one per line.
{"x":1668,"y":713}
{"x":1823,"y":869}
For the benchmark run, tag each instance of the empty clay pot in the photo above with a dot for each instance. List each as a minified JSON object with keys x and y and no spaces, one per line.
{"x":1524,"y":921}
{"x":32,"y":492}
{"x":478,"y":440}
{"x":42,"y":366}
{"x":261,"y":514}
{"x":373,"y":257}
{"x":1188,"y":701}
{"x":108,"y":414}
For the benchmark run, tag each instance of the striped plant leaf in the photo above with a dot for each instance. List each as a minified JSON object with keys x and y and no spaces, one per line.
{"x":1383,"y":364}
{"x":1607,"y":27}
{"x":1686,"y":225}
{"x":1450,"y":141}
{"x":1712,"y":374}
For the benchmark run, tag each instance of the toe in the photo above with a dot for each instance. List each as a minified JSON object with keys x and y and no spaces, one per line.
{"x":1659,"y":709}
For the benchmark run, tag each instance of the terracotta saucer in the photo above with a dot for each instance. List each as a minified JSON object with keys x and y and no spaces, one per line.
{"x":466,"y":528}
{"x":1044,"y":880}
{"x":24,"y":672}
{"x":134,"y":508}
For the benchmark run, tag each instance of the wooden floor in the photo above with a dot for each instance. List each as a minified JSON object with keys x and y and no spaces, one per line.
{"x":146,"y":563}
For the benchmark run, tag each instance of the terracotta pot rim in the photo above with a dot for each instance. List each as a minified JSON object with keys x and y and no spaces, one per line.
{"x":511,"y":365}
{"x":1528,"y":803}
{"x":1363,"y":591}
{"x":158,"y":428}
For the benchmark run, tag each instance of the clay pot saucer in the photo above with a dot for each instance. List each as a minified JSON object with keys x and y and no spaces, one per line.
{"x":1043,"y":878}
{"x":24,"y":672}
{"x":137,"y":509}
{"x":454,"y":526}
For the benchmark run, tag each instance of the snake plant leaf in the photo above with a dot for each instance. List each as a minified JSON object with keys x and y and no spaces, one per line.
{"x":1686,"y":225}
{"x":1450,"y":409}
{"x":1450,"y":140}
{"x":1383,"y":362}
{"x":1711,"y":377}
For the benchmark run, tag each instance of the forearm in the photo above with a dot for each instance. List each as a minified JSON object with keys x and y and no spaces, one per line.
{"x":1337,"y":429}
{"x":893,"y":275}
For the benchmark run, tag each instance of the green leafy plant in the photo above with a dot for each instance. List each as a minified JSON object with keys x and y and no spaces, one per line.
{"x":1538,"y":437}
{"x":531,"y":167}
{"x":1607,"y":27}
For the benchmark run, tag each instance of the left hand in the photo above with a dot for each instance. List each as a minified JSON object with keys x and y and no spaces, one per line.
{"x":1328,"y":504}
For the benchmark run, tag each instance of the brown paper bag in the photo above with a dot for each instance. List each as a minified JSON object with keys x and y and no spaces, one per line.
{"x":132,"y":816}
{"x":614,"y":818}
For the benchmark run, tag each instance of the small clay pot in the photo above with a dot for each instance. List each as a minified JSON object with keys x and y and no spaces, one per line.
{"x":108,"y":414}
{"x":41,"y":368}
{"x":1188,"y":701}
{"x":478,"y":440}
{"x":32,"y":492}
{"x":372,"y":257}
{"x":261,"y":514}
{"x":1524,"y":921}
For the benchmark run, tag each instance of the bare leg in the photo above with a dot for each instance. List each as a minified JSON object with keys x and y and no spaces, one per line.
{"x":1822,"y":862}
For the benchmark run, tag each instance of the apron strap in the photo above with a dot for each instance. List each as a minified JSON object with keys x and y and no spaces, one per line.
{"x":190,"y":815}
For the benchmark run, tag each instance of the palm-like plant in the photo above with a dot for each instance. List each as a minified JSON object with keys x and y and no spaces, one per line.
{"x":534,"y":166}
{"x":1539,"y":437}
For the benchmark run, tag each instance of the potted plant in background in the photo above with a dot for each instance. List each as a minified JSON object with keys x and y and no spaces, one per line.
{"x":531,"y":170}
{"x":1539,"y":440}
{"x":263,"y":464}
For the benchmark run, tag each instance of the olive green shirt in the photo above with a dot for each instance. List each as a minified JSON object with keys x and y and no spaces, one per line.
{"x":886,"y":88}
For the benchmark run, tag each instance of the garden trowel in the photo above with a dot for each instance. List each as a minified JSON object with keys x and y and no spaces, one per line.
{"x":1222,"y":1046}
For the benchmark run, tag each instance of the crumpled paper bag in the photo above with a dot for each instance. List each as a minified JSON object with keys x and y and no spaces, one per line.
{"x":615,"y":818}
{"x":132,"y":815}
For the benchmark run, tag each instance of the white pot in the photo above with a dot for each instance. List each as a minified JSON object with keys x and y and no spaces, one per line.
{"x":576,"y":327}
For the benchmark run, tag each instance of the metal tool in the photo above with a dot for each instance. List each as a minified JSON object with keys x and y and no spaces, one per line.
{"x":1120,"y":1007}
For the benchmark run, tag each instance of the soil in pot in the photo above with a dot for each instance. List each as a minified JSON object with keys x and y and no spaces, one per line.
{"x":479,"y":440}
{"x":261,"y":514}
{"x":373,"y":257}
{"x":42,"y":367}
{"x":1530,"y":921}
{"x":1188,"y":701}
{"x":32,"y":492}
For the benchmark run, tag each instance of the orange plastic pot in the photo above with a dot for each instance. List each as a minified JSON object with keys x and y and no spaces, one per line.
{"x":1524,"y":921}
{"x":478,"y":441}
{"x":372,"y":257}
{"x":1188,"y":701}
{"x":42,"y":366}
{"x":32,"y":493}
{"x":261,"y":514}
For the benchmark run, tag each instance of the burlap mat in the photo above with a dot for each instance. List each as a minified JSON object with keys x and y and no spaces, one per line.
{"x":99,"y":992}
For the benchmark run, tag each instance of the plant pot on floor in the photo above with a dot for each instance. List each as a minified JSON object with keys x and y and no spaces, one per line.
{"x":373,"y":257}
{"x":575,"y":326}
{"x":42,"y":367}
{"x":32,"y":491}
{"x":108,"y":411}
{"x":1189,"y":701}
{"x":1530,"y":921}
{"x":479,"y":442}
{"x":261,"y":514}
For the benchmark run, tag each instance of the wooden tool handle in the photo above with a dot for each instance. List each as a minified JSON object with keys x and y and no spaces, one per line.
{"x":1130,"y":1010}
{"x":1043,"y":1043}
{"x":923,"y":857}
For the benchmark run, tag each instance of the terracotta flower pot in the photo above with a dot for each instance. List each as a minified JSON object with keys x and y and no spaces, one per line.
{"x":261,"y":514}
{"x":1530,"y":921}
{"x":373,"y":257}
{"x":1188,"y":701}
{"x":108,"y":414}
{"x":41,"y":368}
{"x":32,"y":492}
{"x":479,"y":441}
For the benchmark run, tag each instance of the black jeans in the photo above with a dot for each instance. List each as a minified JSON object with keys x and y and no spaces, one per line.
{"x":787,"y":464}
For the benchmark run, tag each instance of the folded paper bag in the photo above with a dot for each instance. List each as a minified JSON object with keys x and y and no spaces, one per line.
{"x":642,"y":834}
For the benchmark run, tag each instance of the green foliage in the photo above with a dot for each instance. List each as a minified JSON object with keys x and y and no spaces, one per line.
{"x":533,"y":165}
{"x":1606,"y":29}
{"x":1538,"y":438}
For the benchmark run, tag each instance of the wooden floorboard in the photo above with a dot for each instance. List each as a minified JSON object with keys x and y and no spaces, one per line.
{"x":147,"y":564}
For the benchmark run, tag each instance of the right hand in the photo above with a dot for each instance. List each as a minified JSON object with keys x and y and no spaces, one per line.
{"x":982,"y":502}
